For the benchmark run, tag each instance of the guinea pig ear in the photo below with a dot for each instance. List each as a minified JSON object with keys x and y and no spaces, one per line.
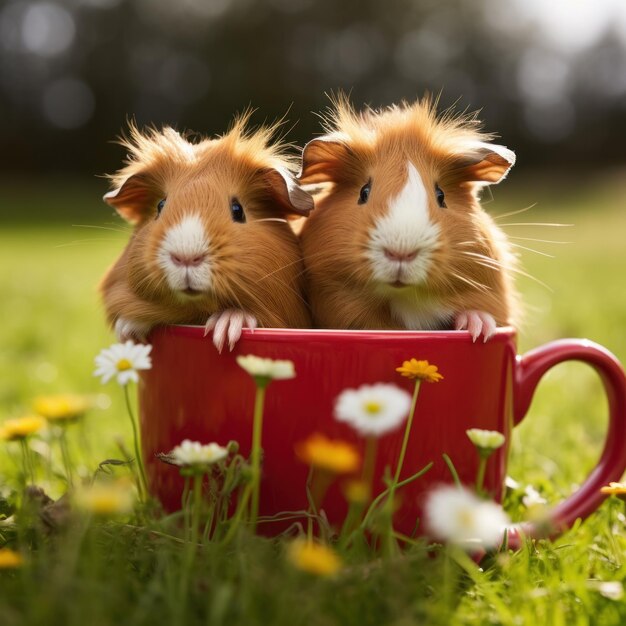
{"x":291,"y":198}
{"x":485,"y":163}
{"x":133,"y":199}
{"x":323,"y":160}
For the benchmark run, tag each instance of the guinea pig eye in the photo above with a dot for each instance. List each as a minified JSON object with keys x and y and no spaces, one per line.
{"x":441,"y":197}
{"x":364,"y":194}
{"x":160,"y":206}
{"x":236,"y":212}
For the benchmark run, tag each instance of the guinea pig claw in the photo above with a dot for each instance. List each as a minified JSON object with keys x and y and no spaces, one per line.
{"x":476,"y":323}
{"x":251,"y":322}
{"x":210,"y":324}
{"x":235,"y":328}
{"x":228,"y":326}
{"x":126,"y":330}
{"x":460,"y":321}
{"x":489,"y":327}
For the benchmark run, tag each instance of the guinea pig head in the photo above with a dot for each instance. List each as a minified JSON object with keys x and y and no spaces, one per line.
{"x":398,"y":200}
{"x":210,"y":216}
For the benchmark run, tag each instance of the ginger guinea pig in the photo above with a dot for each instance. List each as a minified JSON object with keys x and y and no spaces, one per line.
{"x":398,"y":239}
{"x":211,"y":243}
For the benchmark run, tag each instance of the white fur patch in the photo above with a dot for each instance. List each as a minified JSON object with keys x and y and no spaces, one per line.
{"x":405,"y":229}
{"x":416,"y":315}
{"x":186,"y":239}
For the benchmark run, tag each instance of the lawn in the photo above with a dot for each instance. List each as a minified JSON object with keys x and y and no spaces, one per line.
{"x":54,"y":246}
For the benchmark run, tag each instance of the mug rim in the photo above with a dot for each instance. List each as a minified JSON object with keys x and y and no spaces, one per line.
{"x":502,"y":333}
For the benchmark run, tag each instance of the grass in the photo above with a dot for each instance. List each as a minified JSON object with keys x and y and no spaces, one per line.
{"x":118,"y":572}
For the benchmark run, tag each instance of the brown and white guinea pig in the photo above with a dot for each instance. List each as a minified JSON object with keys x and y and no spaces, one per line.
{"x":398,"y":239}
{"x":211,"y":243}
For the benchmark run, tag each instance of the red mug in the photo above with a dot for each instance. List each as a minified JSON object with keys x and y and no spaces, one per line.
{"x":192,"y":392}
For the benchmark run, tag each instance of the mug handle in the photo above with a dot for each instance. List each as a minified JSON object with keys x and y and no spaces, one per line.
{"x":530,"y":368}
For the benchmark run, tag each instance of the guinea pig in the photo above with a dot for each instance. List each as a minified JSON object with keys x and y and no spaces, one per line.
{"x":211,"y":243}
{"x":398,"y":239}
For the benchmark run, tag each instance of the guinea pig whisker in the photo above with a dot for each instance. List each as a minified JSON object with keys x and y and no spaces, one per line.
{"x":282,"y":267}
{"x":471,"y":283}
{"x":263,"y":297}
{"x":539,"y":240}
{"x":517,"y":245}
{"x":80,"y":242}
{"x":496,"y":265}
{"x":466,"y":243}
{"x":114,"y":229}
{"x":353,"y":274}
{"x":482,"y":257}
{"x":555,"y":225}
{"x":272,"y":219}
{"x":503,"y":215}
{"x":153,"y":282}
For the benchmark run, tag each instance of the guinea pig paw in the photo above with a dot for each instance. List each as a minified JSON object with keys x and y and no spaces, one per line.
{"x":227,"y":326}
{"x":126,"y":330}
{"x":476,"y":323}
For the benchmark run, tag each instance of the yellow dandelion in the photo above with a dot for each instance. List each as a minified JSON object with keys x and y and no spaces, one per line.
{"x":357,"y":492}
{"x":10,"y":559}
{"x":420,"y":370}
{"x":63,"y":406}
{"x":338,"y":457}
{"x":21,"y":427}
{"x":614,"y":489}
{"x":106,"y":499}
{"x":313,"y":558}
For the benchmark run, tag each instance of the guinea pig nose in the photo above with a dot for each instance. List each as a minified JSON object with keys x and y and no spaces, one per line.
{"x":395,"y":255}
{"x":187,"y":261}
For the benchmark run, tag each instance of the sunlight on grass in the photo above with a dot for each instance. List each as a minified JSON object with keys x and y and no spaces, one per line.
{"x":114,"y":572}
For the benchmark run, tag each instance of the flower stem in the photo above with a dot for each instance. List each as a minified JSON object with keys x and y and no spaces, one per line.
{"x":185,"y":508}
{"x":65,"y":455}
{"x":133,"y":423}
{"x":369,"y":461}
{"x":455,"y":474}
{"x":351,"y":521}
{"x":27,"y":467}
{"x":312,"y":505}
{"x":381,"y":496}
{"x":257,"y":430}
{"x":480,"y":474}
{"x":235,"y":520}
{"x":405,"y":441}
{"x":196,"y":506}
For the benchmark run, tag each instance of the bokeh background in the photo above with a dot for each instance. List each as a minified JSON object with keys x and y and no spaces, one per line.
{"x":548,"y":76}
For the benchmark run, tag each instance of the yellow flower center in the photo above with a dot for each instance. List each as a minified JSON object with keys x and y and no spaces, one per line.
{"x":466,"y":518}
{"x":372,"y":407}
{"x":123,"y":365}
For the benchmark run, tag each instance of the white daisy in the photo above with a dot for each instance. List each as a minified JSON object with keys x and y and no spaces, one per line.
{"x":488,"y":440}
{"x":123,"y":361}
{"x":611,"y":589}
{"x":532,"y":498}
{"x":190,"y":453}
{"x":458,"y":515}
{"x":269,"y":369}
{"x":373,"y":409}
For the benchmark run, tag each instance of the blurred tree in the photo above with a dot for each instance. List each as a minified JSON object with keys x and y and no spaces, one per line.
{"x":550,"y":77}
